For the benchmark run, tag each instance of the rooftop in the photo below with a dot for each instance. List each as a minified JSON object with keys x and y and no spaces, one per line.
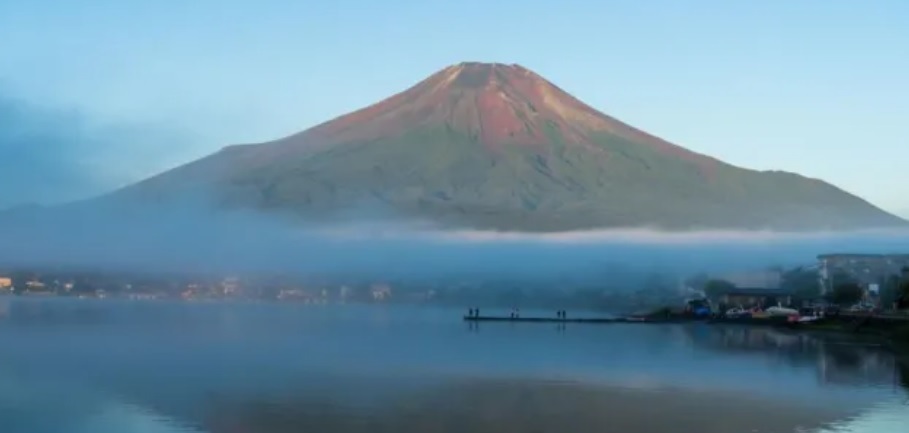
{"x":757,"y":291}
{"x":863,"y":256}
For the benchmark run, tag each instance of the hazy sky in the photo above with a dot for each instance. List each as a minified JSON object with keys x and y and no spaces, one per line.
{"x":116,"y":90}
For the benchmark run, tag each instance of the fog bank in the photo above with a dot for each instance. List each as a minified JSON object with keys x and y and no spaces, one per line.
{"x":168,"y":239}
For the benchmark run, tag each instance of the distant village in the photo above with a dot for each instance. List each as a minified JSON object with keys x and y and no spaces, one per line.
{"x":859,"y":281}
{"x":145,"y":287}
{"x":866,"y":280}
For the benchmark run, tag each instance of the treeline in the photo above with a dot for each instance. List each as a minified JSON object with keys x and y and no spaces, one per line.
{"x":804,"y":284}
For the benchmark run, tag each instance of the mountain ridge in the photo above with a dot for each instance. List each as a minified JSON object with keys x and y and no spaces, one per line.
{"x":489,"y":145}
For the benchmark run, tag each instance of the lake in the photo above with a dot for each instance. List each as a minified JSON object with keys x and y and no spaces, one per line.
{"x":99,"y":366}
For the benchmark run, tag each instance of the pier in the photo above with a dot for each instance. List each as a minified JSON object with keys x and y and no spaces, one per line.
{"x":590,"y":320}
{"x":540,"y":319}
{"x":845,"y":322}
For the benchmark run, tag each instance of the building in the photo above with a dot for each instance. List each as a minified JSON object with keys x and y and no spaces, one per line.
{"x":344,"y":293}
{"x":868,"y":270}
{"x":770,"y":278}
{"x":6,"y":283}
{"x":380,"y":292}
{"x":35,"y":285}
{"x":230,"y":286}
{"x":755,"y":297}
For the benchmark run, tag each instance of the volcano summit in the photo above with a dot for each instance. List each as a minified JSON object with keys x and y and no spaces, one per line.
{"x":496,"y":146}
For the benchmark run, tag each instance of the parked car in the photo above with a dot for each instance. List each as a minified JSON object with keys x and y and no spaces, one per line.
{"x":861,"y":308}
{"x":737,"y":312}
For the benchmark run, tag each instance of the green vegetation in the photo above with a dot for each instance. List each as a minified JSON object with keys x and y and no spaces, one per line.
{"x":802,"y":283}
{"x":438,"y":168}
{"x":660,"y":313}
{"x":714,"y":289}
{"x":895,"y":290}
{"x":891,"y":290}
{"x":901,"y":335}
{"x":845,"y":291}
{"x":846,"y":294}
{"x":905,"y":282}
{"x":442,"y":175}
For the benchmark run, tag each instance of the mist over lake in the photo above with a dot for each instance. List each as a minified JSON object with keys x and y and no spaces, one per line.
{"x":167,"y":239}
{"x":115,"y":366}
{"x":454,"y":217}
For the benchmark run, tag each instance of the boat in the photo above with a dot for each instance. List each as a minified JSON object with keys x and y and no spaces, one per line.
{"x":781,"y":311}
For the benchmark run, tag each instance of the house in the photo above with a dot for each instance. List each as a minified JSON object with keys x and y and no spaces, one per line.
{"x":771,"y":278}
{"x":380,"y":292}
{"x":35,"y":285}
{"x":868,"y":270}
{"x":755,"y":297}
{"x":6,"y":283}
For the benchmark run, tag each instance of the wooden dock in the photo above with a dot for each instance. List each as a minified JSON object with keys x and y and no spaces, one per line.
{"x":592,"y":320}
{"x":540,"y":319}
{"x":879,"y":321}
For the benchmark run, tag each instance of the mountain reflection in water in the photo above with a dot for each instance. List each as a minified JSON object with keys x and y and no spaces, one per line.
{"x":526,"y":406}
{"x":535,"y":406}
{"x":117,"y":367}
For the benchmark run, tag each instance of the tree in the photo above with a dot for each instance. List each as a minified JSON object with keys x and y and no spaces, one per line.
{"x":698,"y":281}
{"x":846,"y":293}
{"x":904,"y":280}
{"x":891,"y":290}
{"x":901,"y":297}
{"x":902,"y":300}
{"x":803,"y":283}
{"x":714,"y":289}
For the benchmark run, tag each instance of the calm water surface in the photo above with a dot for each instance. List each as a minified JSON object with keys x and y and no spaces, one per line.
{"x":156,"y":367}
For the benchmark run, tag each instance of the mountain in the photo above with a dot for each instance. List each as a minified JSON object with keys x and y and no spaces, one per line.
{"x":497,"y":146}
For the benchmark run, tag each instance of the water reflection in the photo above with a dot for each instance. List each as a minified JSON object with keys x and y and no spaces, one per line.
{"x":522,"y":406}
{"x":264,"y":368}
{"x":532,"y":405}
{"x":903,"y":371}
{"x":891,"y":417}
{"x":837,"y":359}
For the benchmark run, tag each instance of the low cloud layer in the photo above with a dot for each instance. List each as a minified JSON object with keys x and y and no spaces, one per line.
{"x":49,"y":156}
{"x":162,"y":239}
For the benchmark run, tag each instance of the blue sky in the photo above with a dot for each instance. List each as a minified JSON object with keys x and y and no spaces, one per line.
{"x":817,"y":87}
